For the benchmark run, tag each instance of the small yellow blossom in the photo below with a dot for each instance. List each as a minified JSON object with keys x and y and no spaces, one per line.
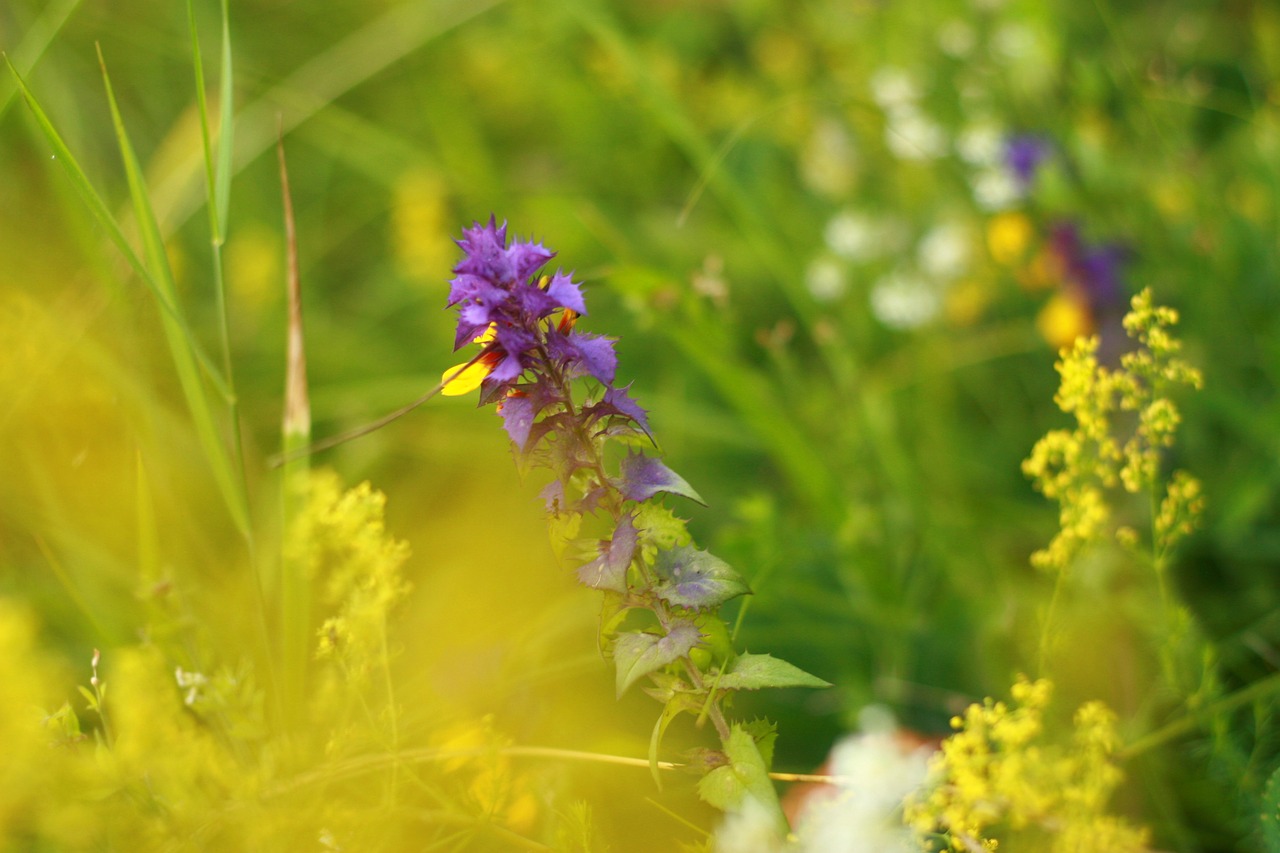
{"x":1081,"y":468}
{"x":1063,"y":319}
{"x":1001,"y":778}
{"x":341,"y":539}
{"x":1009,"y":235}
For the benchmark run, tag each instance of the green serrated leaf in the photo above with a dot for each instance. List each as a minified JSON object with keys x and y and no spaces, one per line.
{"x":765,"y":733}
{"x":636,"y":653}
{"x":1270,"y":817}
{"x":754,"y":672}
{"x":746,"y":775}
{"x":696,"y":579}
{"x":657,"y":529}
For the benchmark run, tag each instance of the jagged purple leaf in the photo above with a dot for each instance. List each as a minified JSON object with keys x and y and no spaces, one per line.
{"x":688,"y":577}
{"x":609,"y":570}
{"x":643,"y":477}
{"x":517,"y":418}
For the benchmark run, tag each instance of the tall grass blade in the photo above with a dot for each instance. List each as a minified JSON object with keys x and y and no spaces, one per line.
{"x":390,"y":37}
{"x":97,"y":207}
{"x":207,"y":429}
{"x":218,"y":204}
{"x":295,"y":590}
{"x":226,"y":130}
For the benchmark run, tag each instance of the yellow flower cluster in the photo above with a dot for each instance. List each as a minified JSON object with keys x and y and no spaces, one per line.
{"x":1078,"y":467}
{"x":999,"y":778}
{"x":341,"y":540}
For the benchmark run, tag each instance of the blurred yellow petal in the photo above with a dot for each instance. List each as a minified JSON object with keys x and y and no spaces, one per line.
{"x":1063,"y":319}
{"x":1008,"y":236}
{"x":466,"y":381}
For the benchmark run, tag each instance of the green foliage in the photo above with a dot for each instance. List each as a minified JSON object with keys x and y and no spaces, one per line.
{"x":1269,"y":820}
{"x":787,"y":219}
{"x":745,"y":775}
{"x":753,"y":672}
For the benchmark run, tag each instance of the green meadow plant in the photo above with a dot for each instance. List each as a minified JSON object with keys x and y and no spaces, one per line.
{"x":1009,"y":775}
{"x":878,"y":201}
{"x":554,"y":387}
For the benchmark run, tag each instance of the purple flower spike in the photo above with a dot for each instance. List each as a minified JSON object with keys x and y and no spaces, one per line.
{"x":489,"y":258}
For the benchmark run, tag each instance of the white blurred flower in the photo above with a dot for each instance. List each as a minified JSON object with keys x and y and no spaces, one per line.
{"x":945,"y":251}
{"x":912,"y":135}
{"x":825,"y":279}
{"x":1013,"y":41}
{"x":877,"y":770}
{"x":905,"y":300}
{"x":893,"y":87}
{"x":752,"y":828}
{"x":981,"y":144}
{"x":995,"y":188}
{"x":956,"y":38}
{"x":858,"y":236}
{"x":861,"y":812}
{"x":828,"y":162}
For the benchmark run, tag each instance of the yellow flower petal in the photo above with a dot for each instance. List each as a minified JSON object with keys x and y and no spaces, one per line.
{"x":1008,"y":236}
{"x":1063,"y":319}
{"x":466,"y":381}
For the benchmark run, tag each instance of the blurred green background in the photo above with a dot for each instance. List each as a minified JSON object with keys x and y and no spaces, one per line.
{"x":834,"y":295}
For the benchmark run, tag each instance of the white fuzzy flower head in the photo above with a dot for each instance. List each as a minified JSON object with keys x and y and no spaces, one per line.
{"x":751,"y":828}
{"x":905,"y":300}
{"x":981,"y":144}
{"x":825,"y":278}
{"x":996,"y":189}
{"x":877,"y":770}
{"x":944,"y":252}
{"x":957,"y":38}
{"x":893,"y":87}
{"x":858,"y":236}
{"x":912,"y":135}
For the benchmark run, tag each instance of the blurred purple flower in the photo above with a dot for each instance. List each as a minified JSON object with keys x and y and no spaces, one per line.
{"x":1023,"y":154}
{"x":1095,"y":270}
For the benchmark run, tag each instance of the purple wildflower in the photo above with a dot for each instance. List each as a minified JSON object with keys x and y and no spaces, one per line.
{"x":531,"y":359}
{"x":1093,"y":270}
{"x":497,"y":287}
{"x":1023,"y":154}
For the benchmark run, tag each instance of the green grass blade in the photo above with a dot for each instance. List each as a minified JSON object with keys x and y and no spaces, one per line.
{"x":295,"y":586}
{"x":390,"y":37}
{"x":218,"y":203}
{"x":80,"y":182}
{"x":226,"y":130}
{"x":35,"y":42}
{"x":184,"y":359}
{"x":750,"y":216}
{"x":202,"y":108}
